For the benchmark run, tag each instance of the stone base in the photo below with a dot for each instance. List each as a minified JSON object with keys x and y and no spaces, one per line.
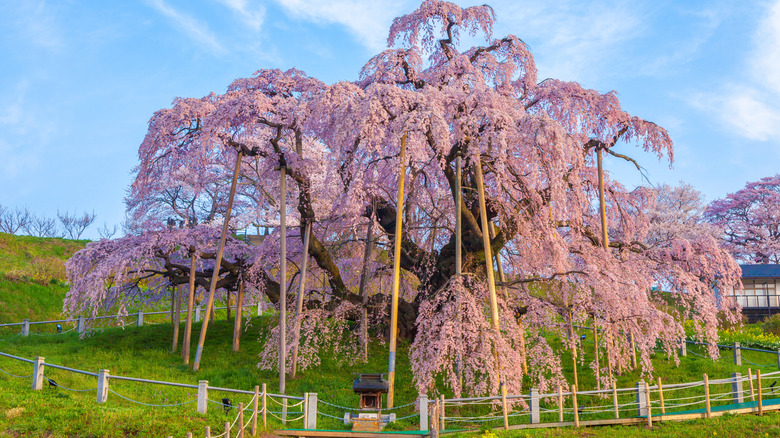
{"x":366,"y":425}
{"x":368,"y":421}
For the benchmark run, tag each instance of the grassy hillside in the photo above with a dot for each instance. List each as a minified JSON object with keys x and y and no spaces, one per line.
{"x":32,"y":276}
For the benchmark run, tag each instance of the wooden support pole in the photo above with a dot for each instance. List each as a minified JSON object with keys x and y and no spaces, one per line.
{"x":363,"y":289}
{"x":615,"y":399}
{"x":602,"y":203}
{"x":399,"y":207}
{"x":207,"y":432}
{"x":752,"y":391}
{"x":240,"y":420}
{"x":255,"y":402}
{"x":185,"y":347}
{"x":227,"y":430}
{"x":573,"y":349}
{"x":633,"y":350}
{"x":760,"y":396}
{"x":575,"y":407}
{"x":218,"y":263}
{"x":661,"y":395}
{"x":265,"y":408}
{"x":491,"y":280}
{"x":560,"y":404}
{"x":239,"y":314}
{"x":707,"y":407}
{"x":459,"y":244}
{"x":596,"y":354}
{"x":283,"y":281}
{"x":649,"y":406}
{"x":177,"y":317}
{"x":299,"y":298}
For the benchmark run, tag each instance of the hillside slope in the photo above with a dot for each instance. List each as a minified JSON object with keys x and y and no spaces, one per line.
{"x":32,"y":276}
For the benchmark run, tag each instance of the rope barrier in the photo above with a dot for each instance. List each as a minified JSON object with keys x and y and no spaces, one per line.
{"x":758,"y":364}
{"x":52,"y":382}
{"x":149,"y":404}
{"x":12,"y":337}
{"x":14,"y":375}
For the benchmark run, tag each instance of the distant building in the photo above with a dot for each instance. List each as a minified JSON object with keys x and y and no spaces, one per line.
{"x":759,"y":298}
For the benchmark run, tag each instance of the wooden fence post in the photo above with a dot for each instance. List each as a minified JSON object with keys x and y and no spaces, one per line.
{"x":649,"y":406}
{"x":38,"y":366}
{"x":189,"y":434}
{"x":615,"y":399}
{"x":633,"y":351}
{"x":707,"y":407}
{"x":139,"y":319}
{"x":760,"y":396}
{"x":203,"y":396}
{"x":311,"y":412}
{"x":227,"y":430}
{"x":255,"y":402}
{"x":423,"y":402}
{"x":102,"y":390}
{"x":240,"y":419}
{"x":535,"y":412}
{"x":661,"y":395}
{"x":750,"y":379}
{"x":737,"y":354}
{"x":441,"y":413}
{"x":737,"y":395}
{"x":25,"y":327}
{"x":574,"y":404}
{"x":265,"y":408}
{"x":207,"y":432}
{"x":560,"y":404}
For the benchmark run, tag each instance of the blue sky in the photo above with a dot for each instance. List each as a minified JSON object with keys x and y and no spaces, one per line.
{"x":80,"y":79}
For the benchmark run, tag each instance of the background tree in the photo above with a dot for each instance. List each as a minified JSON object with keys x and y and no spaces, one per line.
{"x":340,"y":146}
{"x":11,"y":221}
{"x":750,"y":220}
{"x":41,"y":226}
{"x":74,"y":225}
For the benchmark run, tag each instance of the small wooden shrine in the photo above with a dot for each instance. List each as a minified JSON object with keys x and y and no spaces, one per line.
{"x":370,"y":387}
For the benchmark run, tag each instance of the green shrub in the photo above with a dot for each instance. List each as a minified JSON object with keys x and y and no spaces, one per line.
{"x":772,"y":324}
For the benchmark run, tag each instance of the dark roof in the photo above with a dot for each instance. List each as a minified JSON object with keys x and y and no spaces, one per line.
{"x":760,"y":271}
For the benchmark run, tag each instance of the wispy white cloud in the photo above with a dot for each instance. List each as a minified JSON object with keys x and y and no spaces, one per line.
{"x":572,"y":40}
{"x":368,"y":21}
{"x":751,"y":106}
{"x":252,"y":14}
{"x":36,"y":23}
{"x":190,"y":26}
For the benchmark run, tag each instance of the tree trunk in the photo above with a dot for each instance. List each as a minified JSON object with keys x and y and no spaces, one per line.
{"x":239,"y":309}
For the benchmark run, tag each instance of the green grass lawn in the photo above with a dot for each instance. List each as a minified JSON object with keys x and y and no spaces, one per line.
{"x":145,"y":352}
{"x":31,"y":274}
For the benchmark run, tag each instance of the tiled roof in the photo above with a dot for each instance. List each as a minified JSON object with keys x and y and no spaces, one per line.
{"x":760,"y":271}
